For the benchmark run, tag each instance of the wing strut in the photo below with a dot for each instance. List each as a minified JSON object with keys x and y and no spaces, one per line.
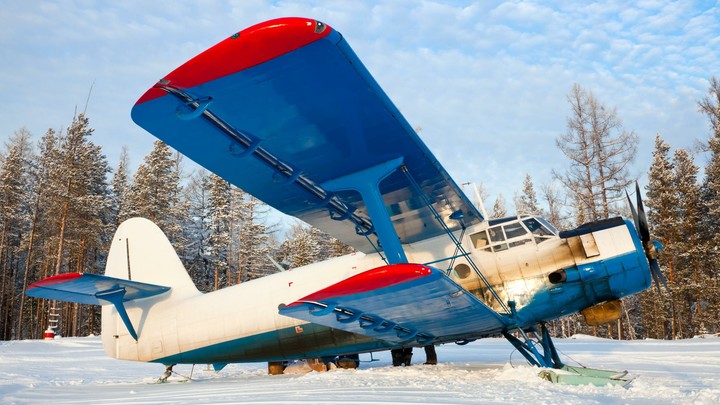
{"x":367,"y":183}
{"x":457,"y":215}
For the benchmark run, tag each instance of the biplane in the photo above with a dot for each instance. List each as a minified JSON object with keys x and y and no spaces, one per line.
{"x":286,"y":111}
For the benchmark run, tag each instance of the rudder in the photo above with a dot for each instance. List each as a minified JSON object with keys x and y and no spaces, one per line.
{"x":140,"y":251}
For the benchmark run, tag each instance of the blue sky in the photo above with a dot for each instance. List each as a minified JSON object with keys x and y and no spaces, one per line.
{"x":486,"y":81}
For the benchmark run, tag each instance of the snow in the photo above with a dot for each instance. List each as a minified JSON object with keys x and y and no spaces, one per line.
{"x":76,"y":371}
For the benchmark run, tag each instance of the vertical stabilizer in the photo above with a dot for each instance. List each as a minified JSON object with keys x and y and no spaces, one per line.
{"x":140,"y":252}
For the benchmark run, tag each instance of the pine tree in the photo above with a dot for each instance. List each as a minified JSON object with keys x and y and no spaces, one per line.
{"x":120,"y":189}
{"x":691,"y":279}
{"x":710,"y":196}
{"x":219,"y":218}
{"x":195,"y":256}
{"x":39,"y":243}
{"x":13,"y":181}
{"x":78,"y":210}
{"x":498,"y":209}
{"x":156,"y":193}
{"x":661,"y":202}
{"x":251,"y":236}
{"x":302,"y":246}
{"x":527,"y":203}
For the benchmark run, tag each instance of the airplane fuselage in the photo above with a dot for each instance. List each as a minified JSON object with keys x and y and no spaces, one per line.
{"x":241,"y":323}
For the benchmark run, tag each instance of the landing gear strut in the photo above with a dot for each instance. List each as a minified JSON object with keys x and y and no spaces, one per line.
{"x":168,"y":372}
{"x":550,"y":361}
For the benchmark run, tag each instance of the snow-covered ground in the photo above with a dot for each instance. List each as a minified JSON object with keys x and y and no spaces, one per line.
{"x":76,"y":371}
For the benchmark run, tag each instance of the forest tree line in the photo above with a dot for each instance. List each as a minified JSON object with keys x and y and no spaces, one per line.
{"x":60,"y":203}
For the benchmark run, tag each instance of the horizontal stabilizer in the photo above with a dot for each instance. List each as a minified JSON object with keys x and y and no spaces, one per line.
{"x":402,"y":303}
{"x":85,"y":288}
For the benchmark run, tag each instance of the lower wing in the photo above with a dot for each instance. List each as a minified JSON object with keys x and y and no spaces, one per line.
{"x":401,"y":303}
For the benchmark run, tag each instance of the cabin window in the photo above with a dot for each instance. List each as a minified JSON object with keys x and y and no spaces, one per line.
{"x":394,"y":209}
{"x":479,"y":240}
{"x":462,"y":271}
{"x":497,"y":237}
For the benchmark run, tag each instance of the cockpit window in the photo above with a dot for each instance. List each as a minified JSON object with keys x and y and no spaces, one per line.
{"x":548,"y":226}
{"x":496,"y":234}
{"x":538,"y":229}
{"x":514,"y":230}
{"x":508,"y":233}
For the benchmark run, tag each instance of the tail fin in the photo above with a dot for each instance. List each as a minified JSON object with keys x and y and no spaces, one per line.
{"x":141,"y":252}
{"x":142,"y":270}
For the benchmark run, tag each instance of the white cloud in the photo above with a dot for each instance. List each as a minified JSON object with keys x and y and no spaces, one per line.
{"x":486,"y":81}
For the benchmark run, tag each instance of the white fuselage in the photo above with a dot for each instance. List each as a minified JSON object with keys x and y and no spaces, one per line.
{"x":241,"y":322}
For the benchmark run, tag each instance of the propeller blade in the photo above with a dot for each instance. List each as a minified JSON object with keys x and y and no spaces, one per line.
{"x":644,"y":228}
{"x":658,"y":276}
{"x":634,"y":213}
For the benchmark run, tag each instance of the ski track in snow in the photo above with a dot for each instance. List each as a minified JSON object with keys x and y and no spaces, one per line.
{"x":77,"y":371}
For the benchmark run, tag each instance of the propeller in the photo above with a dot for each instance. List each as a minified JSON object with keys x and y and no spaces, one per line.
{"x":651,"y":247}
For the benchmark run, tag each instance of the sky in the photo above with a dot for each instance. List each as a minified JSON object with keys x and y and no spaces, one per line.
{"x":485,"y":81}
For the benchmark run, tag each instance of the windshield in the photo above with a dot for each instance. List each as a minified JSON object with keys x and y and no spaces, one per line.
{"x":540,"y":229}
{"x":508,"y":234}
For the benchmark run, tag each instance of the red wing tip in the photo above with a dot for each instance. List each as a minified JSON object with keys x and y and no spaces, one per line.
{"x":374,"y":279}
{"x":58,"y":279}
{"x":250,"y":47}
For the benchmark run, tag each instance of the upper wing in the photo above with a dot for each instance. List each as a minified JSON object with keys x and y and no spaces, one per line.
{"x":284,"y":106}
{"x":402,"y":303}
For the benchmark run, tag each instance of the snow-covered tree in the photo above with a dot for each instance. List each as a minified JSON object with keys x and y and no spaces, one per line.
{"x":498,"y":209}
{"x":251,"y":237}
{"x":554,"y":203}
{"x":661,"y":205}
{"x":710,"y":198}
{"x":195,"y":255}
{"x":78,"y":206}
{"x":219,"y":219}
{"x":527,"y":203}
{"x":156,"y":193}
{"x":13,"y":182}
{"x":120,"y":189}
{"x":690,"y":277}
{"x":302,"y":246}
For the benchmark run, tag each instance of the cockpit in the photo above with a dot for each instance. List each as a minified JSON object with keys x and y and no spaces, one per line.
{"x":507,"y":233}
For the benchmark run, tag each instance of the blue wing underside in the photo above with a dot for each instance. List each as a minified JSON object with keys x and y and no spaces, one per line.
{"x":423,"y":310}
{"x":280,"y":129}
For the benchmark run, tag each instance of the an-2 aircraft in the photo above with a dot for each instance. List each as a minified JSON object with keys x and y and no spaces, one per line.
{"x":286,"y":111}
